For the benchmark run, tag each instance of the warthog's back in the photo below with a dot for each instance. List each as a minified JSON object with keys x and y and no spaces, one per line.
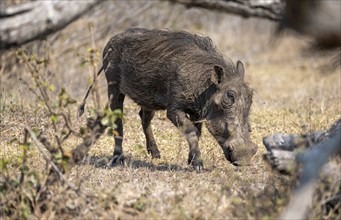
{"x":156,"y":65}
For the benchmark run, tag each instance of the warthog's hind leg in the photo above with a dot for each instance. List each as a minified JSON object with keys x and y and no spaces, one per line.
{"x":116,"y":102}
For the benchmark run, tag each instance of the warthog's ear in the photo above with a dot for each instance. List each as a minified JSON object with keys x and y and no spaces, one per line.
{"x":218,"y":76}
{"x":240,"y":69}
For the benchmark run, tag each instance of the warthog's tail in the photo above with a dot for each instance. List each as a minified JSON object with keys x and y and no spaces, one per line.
{"x":82,"y":106}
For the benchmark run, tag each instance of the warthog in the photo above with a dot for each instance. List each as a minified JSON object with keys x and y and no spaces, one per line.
{"x":185,"y":75}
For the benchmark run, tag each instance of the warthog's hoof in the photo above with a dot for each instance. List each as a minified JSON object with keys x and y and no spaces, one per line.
{"x":154,"y":152}
{"x":118,"y":160}
{"x":197,"y":165}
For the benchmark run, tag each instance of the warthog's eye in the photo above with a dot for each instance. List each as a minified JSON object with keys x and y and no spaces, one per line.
{"x":228,"y":99}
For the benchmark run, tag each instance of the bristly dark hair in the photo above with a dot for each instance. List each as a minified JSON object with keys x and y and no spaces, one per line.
{"x":158,"y":45}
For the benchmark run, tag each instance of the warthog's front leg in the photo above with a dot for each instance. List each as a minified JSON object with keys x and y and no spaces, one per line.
{"x":182,"y":122}
{"x":146,"y":117}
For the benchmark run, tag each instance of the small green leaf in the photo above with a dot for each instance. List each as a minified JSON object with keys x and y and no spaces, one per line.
{"x":118,"y":113}
{"x":42,"y":61}
{"x":90,"y":50}
{"x":105,"y":121}
{"x":82,"y":130}
{"x":19,"y":52}
{"x":35,"y":131}
{"x":84,"y":62}
{"x":53,"y":118}
{"x":23,"y":146}
{"x":57,"y":156}
{"x":3,"y":164}
{"x":52,"y":88}
{"x":71,"y":101}
{"x":114,"y":126}
{"x":113,"y":119}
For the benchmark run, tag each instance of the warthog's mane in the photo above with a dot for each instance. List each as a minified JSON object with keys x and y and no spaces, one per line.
{"x":179,"y":38}
{"x":164,"y":45}
{"x":170,"y":50}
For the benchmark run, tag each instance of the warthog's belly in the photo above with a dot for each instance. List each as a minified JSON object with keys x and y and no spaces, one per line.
{"x":146,"y":90}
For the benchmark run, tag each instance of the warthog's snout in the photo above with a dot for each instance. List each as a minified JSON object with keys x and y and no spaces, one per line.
{"x":238,"y":152}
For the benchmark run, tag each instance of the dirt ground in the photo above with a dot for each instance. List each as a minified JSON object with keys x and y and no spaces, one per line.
{"x":296,"y":91}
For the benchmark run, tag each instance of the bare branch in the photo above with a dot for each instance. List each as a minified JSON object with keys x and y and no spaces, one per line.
{"x":95,"y":130}
{"x":49,"y":160}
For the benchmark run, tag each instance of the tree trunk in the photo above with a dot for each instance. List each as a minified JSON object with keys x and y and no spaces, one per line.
{"x":321,"y":20}
{"x":35,"y":20}
{"x":271,"y":9}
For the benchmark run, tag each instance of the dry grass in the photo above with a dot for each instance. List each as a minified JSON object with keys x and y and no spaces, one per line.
{"x":292,"y":95}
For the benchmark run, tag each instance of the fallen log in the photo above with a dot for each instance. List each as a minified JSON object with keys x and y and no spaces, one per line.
{"x":305,"y":154}
{"x":283,"y":149}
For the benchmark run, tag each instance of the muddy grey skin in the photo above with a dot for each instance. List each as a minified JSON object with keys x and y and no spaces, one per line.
{"x":185,"y":75}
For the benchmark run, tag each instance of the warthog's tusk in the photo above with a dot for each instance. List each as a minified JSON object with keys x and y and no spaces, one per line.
{"x":201,"y":121}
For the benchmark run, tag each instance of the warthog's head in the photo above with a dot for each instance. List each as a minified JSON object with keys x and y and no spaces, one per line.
{"x":228,"y":115}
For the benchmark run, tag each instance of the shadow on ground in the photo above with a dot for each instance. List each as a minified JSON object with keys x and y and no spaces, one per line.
{"x":105,"y":163}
